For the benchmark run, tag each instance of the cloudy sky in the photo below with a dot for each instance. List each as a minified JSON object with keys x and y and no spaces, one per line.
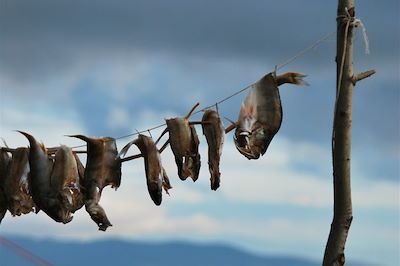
{"x":109,"y":68}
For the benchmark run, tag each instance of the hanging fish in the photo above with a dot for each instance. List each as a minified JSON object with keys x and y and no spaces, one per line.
{"x":16,"y":181}
{"x":185,"y":146}
{"x":155,"y":174}
{"x":3,"y":204}
{"x":192,"y":164}
{"x":65,"y":179}
{"x":44,"y":193}
{"x":261,"y":114}
{"x":214,"y":131}
{"x":166,"y":184}
{"x":103,"y":168}
{"x":4,"y":162}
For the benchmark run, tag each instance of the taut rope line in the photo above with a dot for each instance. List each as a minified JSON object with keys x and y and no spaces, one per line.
{"x":282,"y":65}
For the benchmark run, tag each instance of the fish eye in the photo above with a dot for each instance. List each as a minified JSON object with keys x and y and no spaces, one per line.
{"x":259,"y":134}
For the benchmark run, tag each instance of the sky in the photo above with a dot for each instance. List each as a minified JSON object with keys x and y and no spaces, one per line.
{"x":109,"y":68}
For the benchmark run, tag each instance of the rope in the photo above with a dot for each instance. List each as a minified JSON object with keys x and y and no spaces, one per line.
{"x":224,"y":99}
{"x":22,"y":252}
{"x":306,"y":50}
{"x":282,"y":65}
{"x":354,"y":22}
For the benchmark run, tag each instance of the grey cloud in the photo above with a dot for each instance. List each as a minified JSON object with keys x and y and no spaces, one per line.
{"x":41,"y":37}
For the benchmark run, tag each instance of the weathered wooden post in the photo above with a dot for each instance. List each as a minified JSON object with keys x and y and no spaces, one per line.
{"x":341,"y":137}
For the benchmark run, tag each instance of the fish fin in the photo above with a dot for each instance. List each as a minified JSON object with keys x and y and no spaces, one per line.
{"x":4,"y":142}
{"x":243,"y":109}
{"x":165,"y":183}
{"x":251,"y":110}
{"x":125,"y":149}
{"x":82,"y":137}
{"x":31,"y":139}
{"x":42,"y":147}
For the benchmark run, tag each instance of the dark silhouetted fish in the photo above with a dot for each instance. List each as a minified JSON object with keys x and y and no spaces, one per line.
{"x":65,"y":179}
{"x":214,"y":131}
{"x":44,"y":193}
{"x":155,"y":174}
{"x":17,"y":193}
{"x":184,"y":144}
{"x":103,"y":168}
{"x":261,"y":114}
{"x":4,"y":162}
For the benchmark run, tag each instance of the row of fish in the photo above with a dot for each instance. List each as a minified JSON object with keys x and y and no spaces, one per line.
{"x":55,"y":181}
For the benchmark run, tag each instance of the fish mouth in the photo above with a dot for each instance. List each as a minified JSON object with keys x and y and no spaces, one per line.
{"x":245,"y":133}
{"x":98,"y":215}
{"x":67,"y":217}
{"x":242,"y":145}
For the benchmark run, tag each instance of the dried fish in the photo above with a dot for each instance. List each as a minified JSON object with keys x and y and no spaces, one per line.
{"x":103,"y":168}
{"x":261,"y":114}
{"x":155,"y":174}
{"x":185,"y":146}
{"x":66,"y":180}
{"x":4,"y":162}
{"x":17,"y":193}
{"x":214,"y":131}
{"x":44,"y":193}
{"x":3,"y":204}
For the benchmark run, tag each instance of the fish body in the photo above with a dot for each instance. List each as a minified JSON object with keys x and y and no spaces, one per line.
{"x":16,"y":181}
{"x":3,"y":204}
{"x":180,"y":140}
{"x":103,"y":168}
{"x":44,"y":193}
{"x":65,"y":179}
{"x":214,"y":132}
{"x":153,"y":167}
{"x":260,"y":117}
{"x":184,"y":144}
{"x":156,"y":175}
{"x":4,"y":162}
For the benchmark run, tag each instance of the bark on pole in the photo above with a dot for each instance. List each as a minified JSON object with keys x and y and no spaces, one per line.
{"x":341,"y":142}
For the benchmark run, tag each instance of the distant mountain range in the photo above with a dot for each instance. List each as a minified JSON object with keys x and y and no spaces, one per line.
{"x":118,"y":252}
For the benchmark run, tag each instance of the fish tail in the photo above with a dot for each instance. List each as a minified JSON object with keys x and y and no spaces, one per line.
{"x":125,"y":149}
{"x":32,"y":140}
{"x":292,"y":78}
{"x":82,"y":137}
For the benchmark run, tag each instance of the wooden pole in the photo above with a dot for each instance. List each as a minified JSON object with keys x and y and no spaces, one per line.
{"x":341,"y":137}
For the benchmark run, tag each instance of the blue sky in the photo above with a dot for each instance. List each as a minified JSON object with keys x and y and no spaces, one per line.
{"x":107,"y":69}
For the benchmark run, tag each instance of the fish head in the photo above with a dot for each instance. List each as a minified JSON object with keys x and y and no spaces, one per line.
{"x":97,"y":214}
{"x":155,"y":190}
{"x":245,"y":127}
{"x":54,"y":209}
{"x":20,"y":204}
{"x":59,"y":214}
{"x":14,"y":205}
{"x":66,"y":216}
{"x":251,"y":144}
